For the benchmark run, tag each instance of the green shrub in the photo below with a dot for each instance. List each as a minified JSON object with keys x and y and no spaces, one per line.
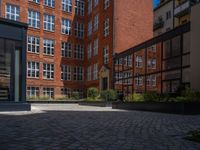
{"x":75,"y":95}
{"x":31,"y":98}
{"x":135,"y":98}
{"x":151,"y":97}
{"x":109,"y":95}
{"x":45,"y":97}
{"x":191,"y":95}
{"x":92,"y":93}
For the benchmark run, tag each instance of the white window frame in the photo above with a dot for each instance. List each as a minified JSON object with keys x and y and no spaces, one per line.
{"x":49,"y":46}
{"x":89,"y":54}
{"x":79,"y":51}
{"x":48,"y":71}
{"x":48,"y":92}
{"x":78,"y":73}
{"x":33,"y":19}
{"x":79,"y":30}
{"x":49,"y":3}
{"x":33,"y":44}
{"x":49,"y":22}
{"x":106,"y":54}
{"x":106,"y":27}
{"x":12,"y":12}
{"x":32,"y":92}
{"x":96,"y":46}
{"x":66,"y":26}
{"x":96,"y":23}
{"x":139,"y":61}
{"x":90,"y":28}
{"x":106,"y":4}
{"x":66,"y":49}
{"x":33,"y":69}
{"x":66,"y":73}
{"x":89,"y":7}
{"x":79,"y":7}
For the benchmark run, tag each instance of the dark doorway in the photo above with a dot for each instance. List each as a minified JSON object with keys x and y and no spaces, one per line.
{"x":105,"y":83}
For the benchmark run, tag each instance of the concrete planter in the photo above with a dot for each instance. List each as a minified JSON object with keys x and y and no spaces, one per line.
{"x":55,"y":101}
{"x":97,"y":104}
{"x":165,"y":107}
{"x":14,"y":106}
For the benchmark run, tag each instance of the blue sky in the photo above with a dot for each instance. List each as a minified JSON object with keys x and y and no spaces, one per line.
{"x":155,"y":2}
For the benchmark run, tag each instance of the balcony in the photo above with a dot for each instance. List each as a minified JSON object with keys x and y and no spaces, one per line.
{"x":158,"y":24}
{"x":182,"y":9}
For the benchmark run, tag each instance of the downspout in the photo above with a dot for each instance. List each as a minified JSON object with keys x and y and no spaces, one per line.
{"x":0,"y":8}
{"x":113,"y":54}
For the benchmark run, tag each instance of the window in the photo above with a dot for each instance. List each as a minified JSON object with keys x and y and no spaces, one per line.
{"x":168,"y":15}
{"x":151,"y":80}
{"x":78,"y":73}
{"x":96,"y":2}
{"x":36,"y":1}
{"x":32,"y":92}
{"x":48,"y":92}
{"x":96,"y":46}
{"x":66,"y":26}
{"x":139,"y":61}
{"x":106,"y":4}
{"x":49,"y":3}
{"x":34,"y":19}
{"x":49,"y":22}
{"x":95,"y":72}
{"x":106,"y":27}
{"x":153,"y":63}
{"x":89,"y":73}
{"x":66,"y":50}
{"x":65,"y":73}
{"x":89,"y":50}
{"x":66,"y":92}
{"x":90,"y":28}
{"x":67,"y":5}
{"x":79,"y":7}
{"x":48,"y":71}
{"x":79,"y":52}
{"x":96,"y":23}
{"x":106,"y":54}
{"x":48,"y":47}
{"x":33,"y":44}
{"x":139,"y":80}
{"x":33,"y":69}
{"x":12,"y":12}
{"x":90,"y":6}
{"x":79,"y":30}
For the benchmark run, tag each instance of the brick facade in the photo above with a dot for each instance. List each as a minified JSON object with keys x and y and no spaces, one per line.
{"x":128,"y":26}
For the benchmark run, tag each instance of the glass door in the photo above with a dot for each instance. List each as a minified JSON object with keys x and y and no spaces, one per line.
{"x":5,"y":71}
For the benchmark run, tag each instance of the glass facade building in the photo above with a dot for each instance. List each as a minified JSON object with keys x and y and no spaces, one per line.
{"x":12,"y":61}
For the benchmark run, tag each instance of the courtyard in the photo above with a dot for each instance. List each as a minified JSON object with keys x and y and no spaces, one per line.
{"x":74,"y":127}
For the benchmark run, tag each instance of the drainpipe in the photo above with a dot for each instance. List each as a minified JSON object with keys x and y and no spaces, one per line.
{"x":0,"y":8}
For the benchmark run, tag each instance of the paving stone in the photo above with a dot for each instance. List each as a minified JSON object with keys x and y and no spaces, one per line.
{"x":74,"y":127}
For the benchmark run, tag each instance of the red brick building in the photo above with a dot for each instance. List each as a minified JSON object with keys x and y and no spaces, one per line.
{"x":71,"y":43}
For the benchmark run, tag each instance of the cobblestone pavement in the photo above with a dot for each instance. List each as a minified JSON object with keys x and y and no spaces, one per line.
{"x":73,"y":127}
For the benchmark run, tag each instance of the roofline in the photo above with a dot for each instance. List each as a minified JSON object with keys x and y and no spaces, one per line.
{"x":170,"y":34}
{"x":161,"y":5}
{"x":13,"y":23}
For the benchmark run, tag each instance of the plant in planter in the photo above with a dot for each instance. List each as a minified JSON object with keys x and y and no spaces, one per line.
{"x":45,"y":97}
{"x":151,"y":97}
{"x":109,"y":95}
{"x":75,"y":95}
{"x":135,"y":98}
{"x":92,"y":93}
{"x":29,"y":98}
{"x":62,"y":97}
